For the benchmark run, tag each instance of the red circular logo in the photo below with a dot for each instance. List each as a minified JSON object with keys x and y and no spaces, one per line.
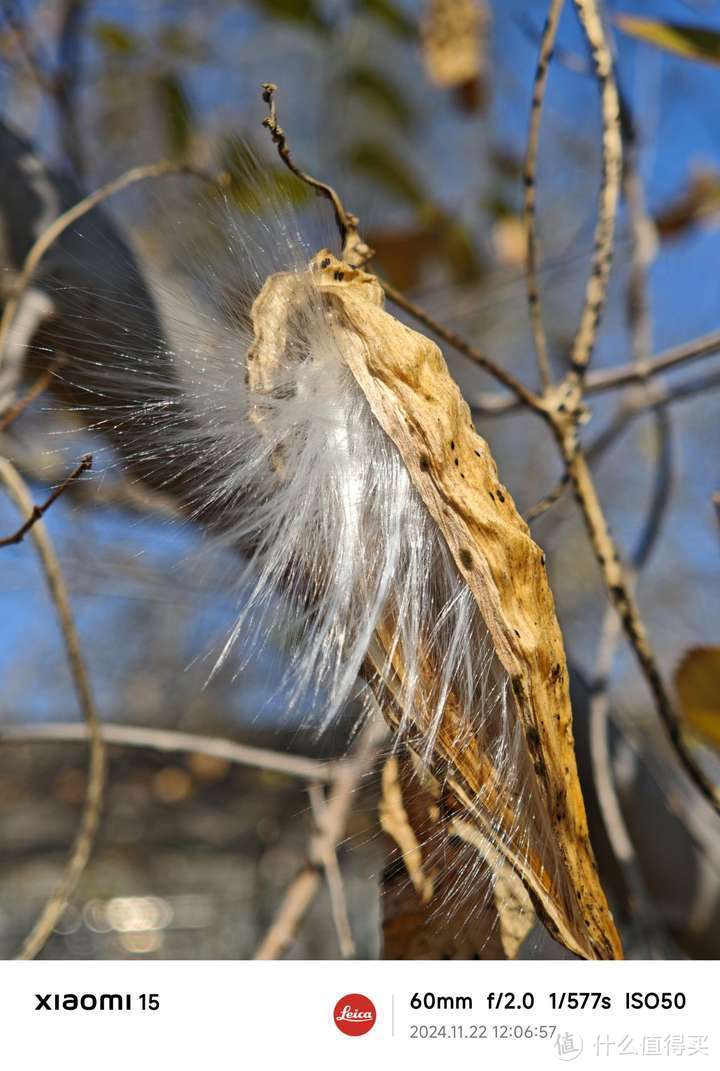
{"x":354,"y":1014}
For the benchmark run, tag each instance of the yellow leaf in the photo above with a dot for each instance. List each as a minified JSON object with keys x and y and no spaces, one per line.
{"x":697,"y":681}
{"x":691,"y":42}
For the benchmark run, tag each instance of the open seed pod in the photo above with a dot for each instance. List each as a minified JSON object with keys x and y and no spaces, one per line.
{"x":423,"y":576}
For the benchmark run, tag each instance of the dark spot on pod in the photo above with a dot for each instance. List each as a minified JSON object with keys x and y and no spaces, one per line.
{"x":456,"y":461}
{"x":424,"y":463}
{"x":466,"y":559}
{"x":339,"y":275}
{"x":462,"y":475}
{"x":500,"y":495}
{"x":533,"y":737}
{"x":543,"y":559}
{"x":325,"y":263}
{"x":516,"y":633}
{"x":555,"y":672}
{"x":492,"y":496}
{"x":539,"y":766}
{"x":517,"y":685}
{"x":452,"y":444}
{"x":478,"y":454}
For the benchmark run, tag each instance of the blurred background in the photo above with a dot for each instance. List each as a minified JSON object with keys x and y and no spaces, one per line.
{"x":418,"y":113}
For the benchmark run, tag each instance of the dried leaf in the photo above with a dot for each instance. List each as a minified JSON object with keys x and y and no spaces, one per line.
{"x":453,"y":38}
{"x":416,"y":921}
{"x":512,"y":902}
{"x":697,"y":682}
{"x":700,"y":201}
{"x":691,"y":42}
{"x":394,"y":821}
{"x":409,"y":390}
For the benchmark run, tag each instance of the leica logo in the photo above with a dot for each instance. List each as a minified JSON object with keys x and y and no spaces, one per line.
{"x":354,"y":1014}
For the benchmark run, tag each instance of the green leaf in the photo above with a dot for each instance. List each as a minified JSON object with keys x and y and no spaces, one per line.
{"x":114,"y":38}
{"x":691,"y":42}
{"x":382,"y":167}
{"x":176,"y":110}
{"x":394,"y":18}
{"x":304,"y":12}
{"x":181,"y":44}
{"x":368,"y":84}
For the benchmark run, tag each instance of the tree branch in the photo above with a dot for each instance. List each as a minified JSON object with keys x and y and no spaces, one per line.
{"x":355,"y":251}
{"x":165,"y":740}
{"x":38,"y":511}
{"x":51,"y":233}
{"x":87,"y":829}
{"x":305,"y":886}
{"x":530,"y":189}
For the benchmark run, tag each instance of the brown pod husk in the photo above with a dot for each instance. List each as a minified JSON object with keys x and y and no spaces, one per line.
{"x":408,"y":387}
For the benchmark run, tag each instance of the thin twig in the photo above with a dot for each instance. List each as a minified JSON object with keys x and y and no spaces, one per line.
{"x":326,"y":850}
{"x":39,"y":386}
{"x":51,"y":233}
{"x":548,"y":501}
{"x":596,"y":290}
{"x":355,"y":251}
{"x":37,"y":512}
{"x":305,"y":886}
{"x":623,"y":598}
{"x":85,"y":836}
{"x":706,"y":346}
{"x":530,"y":190}
{"x":656,"y":397}
{"x":487,"y":404}
{"x":170,"y":740}
{"x":640,"y":327}
{"x":522,"y":396}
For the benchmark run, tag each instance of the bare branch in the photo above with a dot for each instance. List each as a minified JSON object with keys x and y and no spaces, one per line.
{"x":549,"y":500}
{"x":623,"y":599}
{"x":87,"y":829}
{"x":530,"y":173}
{"x":38,"y":511}
{"x":522,"y":396}
{"x":39,"y":386}
{"x":488,"y":404}
{"x":333,"y":876}
{"x":304,"y":888}
{"x":596,"y":291}
{"x":169,"y":740}
{"x":66,"y":219}
{"x":355,"y":251}
{"x":656,"y":397}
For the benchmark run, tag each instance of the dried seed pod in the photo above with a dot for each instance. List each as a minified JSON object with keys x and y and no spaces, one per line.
{"x":467,"y":660}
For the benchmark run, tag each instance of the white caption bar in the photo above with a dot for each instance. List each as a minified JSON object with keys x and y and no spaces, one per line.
{"x":182,"y":1015}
